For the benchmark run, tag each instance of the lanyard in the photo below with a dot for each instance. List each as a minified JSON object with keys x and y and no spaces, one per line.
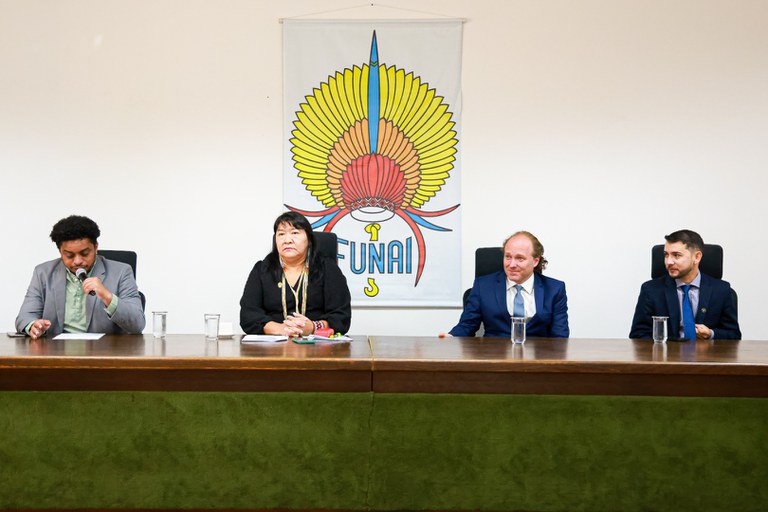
{"x":301,"y":285}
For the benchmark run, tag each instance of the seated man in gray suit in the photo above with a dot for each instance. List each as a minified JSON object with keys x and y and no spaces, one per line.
{"x":80,"y":291}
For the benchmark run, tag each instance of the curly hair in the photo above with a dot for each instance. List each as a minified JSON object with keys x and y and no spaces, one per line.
{"x":74,"y":227}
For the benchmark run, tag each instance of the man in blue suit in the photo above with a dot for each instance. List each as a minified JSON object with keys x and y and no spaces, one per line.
{"x":698,"y":306}
{"x":518,"y":290}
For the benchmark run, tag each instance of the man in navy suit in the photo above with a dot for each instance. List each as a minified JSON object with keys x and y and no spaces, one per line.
{"x":520,"y":289}
{"x":709,"y":304}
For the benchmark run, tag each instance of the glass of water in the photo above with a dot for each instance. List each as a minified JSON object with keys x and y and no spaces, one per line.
{"x":212,"y":326}
{"x":659,"y":329}
{"x":518,"y":329}
{"x":158,"y":323}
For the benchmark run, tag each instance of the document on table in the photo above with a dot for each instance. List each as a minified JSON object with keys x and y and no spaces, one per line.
{"x":79,"y":336}
{"x":262,"y":338}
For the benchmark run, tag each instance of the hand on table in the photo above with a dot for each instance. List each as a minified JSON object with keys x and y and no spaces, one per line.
{"x":38,"y":328}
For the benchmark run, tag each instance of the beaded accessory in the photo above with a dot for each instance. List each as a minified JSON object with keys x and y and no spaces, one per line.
{"x":301,"y":286}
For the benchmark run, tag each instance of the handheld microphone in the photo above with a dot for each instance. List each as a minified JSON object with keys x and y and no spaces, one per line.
{"x":82,"y":275}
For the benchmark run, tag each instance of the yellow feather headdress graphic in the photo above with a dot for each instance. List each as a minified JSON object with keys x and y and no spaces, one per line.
{"x":374,"y":142}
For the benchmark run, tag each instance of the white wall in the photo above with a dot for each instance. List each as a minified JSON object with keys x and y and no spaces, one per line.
{"x":605,"y":124}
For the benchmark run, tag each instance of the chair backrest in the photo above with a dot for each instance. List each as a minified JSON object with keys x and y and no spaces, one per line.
{"x":711,"y":261}
{"x":128,"y":257}
{"x":327,"y":245}
{"x":487,"y":261}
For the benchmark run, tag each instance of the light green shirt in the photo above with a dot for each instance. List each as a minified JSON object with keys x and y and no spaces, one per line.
{"x":75,"y":319}
{"x":74,"y":308}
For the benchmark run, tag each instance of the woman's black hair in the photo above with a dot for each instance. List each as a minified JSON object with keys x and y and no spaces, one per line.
{"x":298,"y":221}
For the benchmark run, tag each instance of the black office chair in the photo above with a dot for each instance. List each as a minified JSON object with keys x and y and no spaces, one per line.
{"x":327,"y":245}
{"x":487,"y":261}
{"x":128,"y":257}
{"x":711,"y":264}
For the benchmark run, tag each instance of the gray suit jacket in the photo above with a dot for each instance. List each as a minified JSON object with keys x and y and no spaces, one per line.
{"x":46,"y":297}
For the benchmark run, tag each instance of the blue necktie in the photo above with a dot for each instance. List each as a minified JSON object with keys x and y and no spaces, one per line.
{"x":519,"y":306}
{"x":689,"y":325}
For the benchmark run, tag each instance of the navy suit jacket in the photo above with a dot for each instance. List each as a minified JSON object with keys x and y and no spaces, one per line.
{"x":658,"y":297}
{"x":487,"y":304}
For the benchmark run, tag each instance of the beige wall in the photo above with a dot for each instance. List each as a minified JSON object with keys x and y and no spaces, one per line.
{"x":608,"y":123}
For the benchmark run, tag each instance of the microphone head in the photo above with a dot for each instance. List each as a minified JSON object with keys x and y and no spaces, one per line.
{"x":82,"y":275}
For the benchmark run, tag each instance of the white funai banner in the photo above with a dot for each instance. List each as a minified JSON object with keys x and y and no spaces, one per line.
{"x":372,"y":128}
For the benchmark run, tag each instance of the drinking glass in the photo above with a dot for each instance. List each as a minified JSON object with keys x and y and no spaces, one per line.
{"x":212,"y":326}
{"x":518,"y":329}
{"x":158,"y":324}
{"x":660,"y":329}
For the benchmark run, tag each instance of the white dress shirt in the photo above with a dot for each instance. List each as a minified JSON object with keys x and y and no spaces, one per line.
{"x":529,"y":301}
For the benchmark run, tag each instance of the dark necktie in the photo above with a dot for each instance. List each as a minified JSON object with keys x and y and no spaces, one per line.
{"x":689,"y":325}
{"x":519,"y":306}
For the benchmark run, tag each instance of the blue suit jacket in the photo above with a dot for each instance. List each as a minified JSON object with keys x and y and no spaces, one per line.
{"x":659,"y":298}
{"x":487,"y":304}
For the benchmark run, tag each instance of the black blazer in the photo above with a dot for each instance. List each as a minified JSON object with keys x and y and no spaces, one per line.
{"x":658,"y":297}
{"x":328,"y":300}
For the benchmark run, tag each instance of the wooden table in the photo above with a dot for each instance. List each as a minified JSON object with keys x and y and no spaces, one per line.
{"x":384,"y":423}
{"x":182,"y":363}
{"x":389,"y":364}
{"x":570,"y":367}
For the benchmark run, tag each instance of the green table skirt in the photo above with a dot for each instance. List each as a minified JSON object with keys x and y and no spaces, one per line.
{"x":367,"y":451}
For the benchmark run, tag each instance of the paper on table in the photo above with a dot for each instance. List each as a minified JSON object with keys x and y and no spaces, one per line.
{"x":79,"y":336}
{"x":262,"y":338}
